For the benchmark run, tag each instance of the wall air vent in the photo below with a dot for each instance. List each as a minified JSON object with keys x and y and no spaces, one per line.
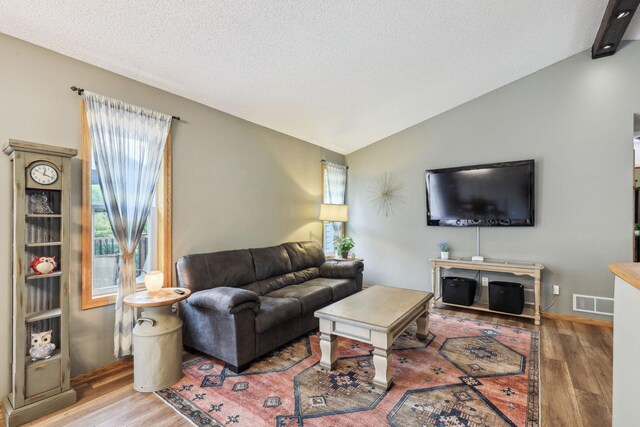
{"x":593,"y":304}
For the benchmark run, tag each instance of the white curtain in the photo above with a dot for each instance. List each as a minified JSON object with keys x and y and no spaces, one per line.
{"x":335,"y":187}
{"x":128,"y":144}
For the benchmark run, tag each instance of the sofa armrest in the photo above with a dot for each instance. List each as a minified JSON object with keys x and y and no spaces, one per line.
{"x":341,"y":269}
{"x":226,"y":300}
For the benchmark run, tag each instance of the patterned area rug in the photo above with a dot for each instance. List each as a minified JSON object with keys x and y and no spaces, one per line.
{"x":468,"y":373}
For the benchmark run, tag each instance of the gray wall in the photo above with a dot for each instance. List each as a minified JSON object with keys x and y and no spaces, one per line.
{"x":235,"y":184}
{"x":575,"y":118}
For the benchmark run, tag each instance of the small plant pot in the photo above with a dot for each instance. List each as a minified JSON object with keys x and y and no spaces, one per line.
{"x":345,"y":255}
{"x":444,"y":255}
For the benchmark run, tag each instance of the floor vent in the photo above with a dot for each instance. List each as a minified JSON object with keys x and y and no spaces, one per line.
{"x":591,"y":304}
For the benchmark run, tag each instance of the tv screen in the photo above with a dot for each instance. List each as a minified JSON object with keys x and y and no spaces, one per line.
{"x":496,"y":194}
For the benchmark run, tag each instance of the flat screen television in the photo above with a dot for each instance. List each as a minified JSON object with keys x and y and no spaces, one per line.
{"x":495,"y":194}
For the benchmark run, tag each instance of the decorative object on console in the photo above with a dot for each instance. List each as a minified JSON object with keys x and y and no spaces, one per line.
{"x":43,"y":264}
{"x":39,"y":204}
{"x":41,"y":345}
{"x":386,"y":194}
{"x":343,"y":246}
{"x":444,"y":249}
{"x":154,"y":280}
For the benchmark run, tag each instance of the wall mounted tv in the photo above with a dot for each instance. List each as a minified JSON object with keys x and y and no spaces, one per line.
{"x":491,"y":195}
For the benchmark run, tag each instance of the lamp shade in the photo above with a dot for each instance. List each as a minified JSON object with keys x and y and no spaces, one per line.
{"x":154,"y":281}
{"x":334,"y":213}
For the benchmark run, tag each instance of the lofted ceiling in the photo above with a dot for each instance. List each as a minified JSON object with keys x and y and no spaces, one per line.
{"x":340,"y":74}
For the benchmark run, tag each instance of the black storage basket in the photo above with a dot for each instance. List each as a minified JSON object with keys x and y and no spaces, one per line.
{"x":458,"y":290}
{"x":507,"y":297}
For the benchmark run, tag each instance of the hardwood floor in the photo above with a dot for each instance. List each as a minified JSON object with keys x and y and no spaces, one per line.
{"x":576,"y":383}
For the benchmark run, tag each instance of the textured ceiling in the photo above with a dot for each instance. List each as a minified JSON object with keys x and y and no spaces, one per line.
{"x":340,"y":74}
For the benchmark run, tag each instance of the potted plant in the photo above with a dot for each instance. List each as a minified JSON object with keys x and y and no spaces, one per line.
{"x":343,"y":246}
{"x":444,"y":249}
{"x":637,"y":230}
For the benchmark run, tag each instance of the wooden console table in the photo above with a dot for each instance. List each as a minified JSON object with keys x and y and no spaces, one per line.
{"x":520,"y":269}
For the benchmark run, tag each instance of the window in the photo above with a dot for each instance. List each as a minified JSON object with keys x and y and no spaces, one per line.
{"x":100,"y":250}
{"x":330,"y":230}
{"x":334,"y":181}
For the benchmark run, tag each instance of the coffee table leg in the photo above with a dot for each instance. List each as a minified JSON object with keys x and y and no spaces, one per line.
{"x":423,"y":325}
{"x":382,"y":363}
{"x":328,"y":345}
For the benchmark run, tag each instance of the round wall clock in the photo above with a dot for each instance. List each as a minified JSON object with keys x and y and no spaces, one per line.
{"x":44,"y":174}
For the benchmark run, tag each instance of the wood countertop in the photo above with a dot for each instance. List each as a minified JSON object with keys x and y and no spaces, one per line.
{"x":627,"y":271}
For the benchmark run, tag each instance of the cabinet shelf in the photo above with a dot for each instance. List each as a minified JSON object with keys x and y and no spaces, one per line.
{"x":43,"y":276}
{"x":43,"y":245}
{"x":43,"y":315}
{"x":527,"y":312}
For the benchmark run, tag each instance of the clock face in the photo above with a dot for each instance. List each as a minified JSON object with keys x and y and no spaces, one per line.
{"x":44,"y":174}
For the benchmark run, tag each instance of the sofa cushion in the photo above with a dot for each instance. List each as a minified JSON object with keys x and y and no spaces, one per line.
{"x":253,"y":287}
{"x":306,"y":274}
{"x":205,"y":271}
{"x":271,"y":261}
{"x":274,"y":283}
{"x":275,"y":311}
{"x":340,"y":288}
{"x":304,"y":254}
{"x":311,"y":297}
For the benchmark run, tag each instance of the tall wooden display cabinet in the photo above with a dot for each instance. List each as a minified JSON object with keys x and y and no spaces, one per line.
{"x":40,"y":212}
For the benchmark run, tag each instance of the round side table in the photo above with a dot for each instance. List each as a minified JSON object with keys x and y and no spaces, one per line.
{"x":157,"y":339}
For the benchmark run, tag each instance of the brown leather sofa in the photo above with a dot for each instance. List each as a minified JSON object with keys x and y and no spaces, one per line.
{"x":245,"y":303}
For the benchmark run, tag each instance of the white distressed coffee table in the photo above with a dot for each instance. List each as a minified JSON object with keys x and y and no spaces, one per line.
{"x":376,"y":316}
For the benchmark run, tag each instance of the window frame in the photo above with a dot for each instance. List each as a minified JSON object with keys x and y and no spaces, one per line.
{"x":163,"y":231}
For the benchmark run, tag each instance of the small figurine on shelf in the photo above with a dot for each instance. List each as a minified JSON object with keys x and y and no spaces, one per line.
{"x":40,"y":204}
{"x":43,"y":264}
{"x":41,"y":345}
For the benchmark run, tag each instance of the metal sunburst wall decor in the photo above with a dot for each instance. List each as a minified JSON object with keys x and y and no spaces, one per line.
{"x":386,"y":194}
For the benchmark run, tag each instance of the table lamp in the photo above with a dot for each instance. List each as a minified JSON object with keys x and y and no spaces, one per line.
{"x":334,"y":213}
{"x":154,"y":281}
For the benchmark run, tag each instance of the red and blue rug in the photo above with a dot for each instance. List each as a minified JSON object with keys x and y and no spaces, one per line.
{"x":468,"y":373}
